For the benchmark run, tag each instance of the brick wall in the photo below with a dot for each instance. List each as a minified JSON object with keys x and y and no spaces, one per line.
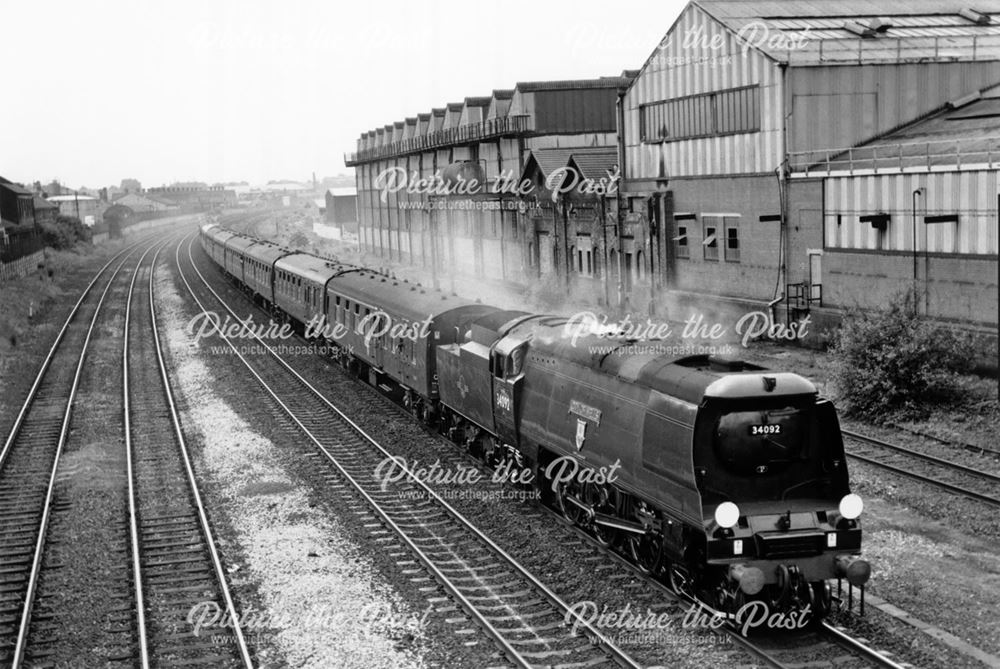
{"x":949,"y":287}
{"x":755,"y":274}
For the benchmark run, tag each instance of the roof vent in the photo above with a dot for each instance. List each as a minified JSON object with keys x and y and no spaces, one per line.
{"x":976,"y":17}
{"x":859,"y":29}
{"x":880,"y":24}
{"x":964,"y":100}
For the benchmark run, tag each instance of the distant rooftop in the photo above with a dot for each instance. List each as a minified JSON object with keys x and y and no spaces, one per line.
{"x":70,"y":198}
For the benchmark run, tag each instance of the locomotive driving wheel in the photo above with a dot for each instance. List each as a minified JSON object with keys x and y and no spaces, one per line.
{"x":602,"y":499}
{"x":680,"y":580}
{"x":645,"y":550}
{"x":568,"y":498}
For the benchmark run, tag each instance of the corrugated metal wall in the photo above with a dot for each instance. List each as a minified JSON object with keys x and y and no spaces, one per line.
{"x":972,"y":195}
{"x":575,"y":110}
{"x":686,"y":64}
{"x":839,"y":107}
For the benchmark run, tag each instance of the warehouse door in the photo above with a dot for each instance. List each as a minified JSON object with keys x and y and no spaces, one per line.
{"x":816,"y":275}
{"x":545,"y":251}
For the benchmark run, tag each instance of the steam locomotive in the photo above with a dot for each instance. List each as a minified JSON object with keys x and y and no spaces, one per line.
{"x":725,"y":479}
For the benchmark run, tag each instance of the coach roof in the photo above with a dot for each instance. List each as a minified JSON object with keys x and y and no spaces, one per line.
{"x":267,"y":253}
{"x":395,"y":297}
{"x":310,"y":267}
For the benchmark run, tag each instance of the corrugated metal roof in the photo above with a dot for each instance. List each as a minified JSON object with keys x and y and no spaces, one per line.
{"x":605,"y":82}
{"x":893,"y":30}
{"x":14,"y":188}
{"x":66,"y":198}
{"x":969,"y":135}
{"x":342,"y":191}
{"x":845,"y":8}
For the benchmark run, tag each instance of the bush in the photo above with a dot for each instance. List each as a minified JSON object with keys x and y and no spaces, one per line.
{"x":895,"y":361}
{"x":64,"y":232}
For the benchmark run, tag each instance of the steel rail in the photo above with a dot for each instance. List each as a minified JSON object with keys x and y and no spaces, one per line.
{"x":954,"y":466}
{"x":36,"y":564}
{"x":206,"y":529}
{"x":19,"y":421}
{"x":140,"y":601}
{"x":606,"y":644}
{"x":844,"y":639}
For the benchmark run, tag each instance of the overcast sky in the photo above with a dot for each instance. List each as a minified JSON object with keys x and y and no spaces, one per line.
{"x":251,"y":90}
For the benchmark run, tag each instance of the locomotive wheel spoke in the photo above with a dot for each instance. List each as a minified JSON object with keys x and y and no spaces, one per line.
{"x":569,"y":510}
{"x":646,"y":551}
{"x":604,"y":499}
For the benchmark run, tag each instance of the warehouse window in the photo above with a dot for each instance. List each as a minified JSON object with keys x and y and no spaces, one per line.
{"x":682,"y":250}
{"x":709,"y":244}
{"x":727,"y":112}
{"x":732,"y":250}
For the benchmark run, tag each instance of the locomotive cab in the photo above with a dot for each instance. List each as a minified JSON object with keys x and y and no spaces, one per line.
{"x":778,"y":515}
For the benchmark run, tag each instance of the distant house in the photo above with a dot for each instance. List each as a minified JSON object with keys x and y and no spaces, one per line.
{"x":16,"y":205}
{"x":87,"y":208}
{"x":45,"y":211}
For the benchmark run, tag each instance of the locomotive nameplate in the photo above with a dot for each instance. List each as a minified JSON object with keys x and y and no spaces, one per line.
{"x":585,"y":411}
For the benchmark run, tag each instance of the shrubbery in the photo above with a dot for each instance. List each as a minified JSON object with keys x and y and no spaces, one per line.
{"x":64,"y":232}
{"x":895,"y":361}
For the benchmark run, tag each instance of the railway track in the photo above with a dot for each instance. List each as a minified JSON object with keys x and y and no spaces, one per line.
{"x":526,"y":620}
{"x":30,"y":460}
{"x":826,"y":642}
{"x":44,"y":593}
{"x":946,"y":474}
{"x":172,"y":546}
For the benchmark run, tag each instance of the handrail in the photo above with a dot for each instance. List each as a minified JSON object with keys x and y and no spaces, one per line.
{"x":898,"y":156}
{"x":803,"y":50}
{"x":445,"y":137}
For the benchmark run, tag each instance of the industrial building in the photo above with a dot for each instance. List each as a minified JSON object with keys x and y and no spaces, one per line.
{"x":194,"y":197}
{"x":498,"y":230}
{"x":340,"y":209}
{"x":88,"y":209}
{"x":808,"y":156}
{"x":742,"y":130}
